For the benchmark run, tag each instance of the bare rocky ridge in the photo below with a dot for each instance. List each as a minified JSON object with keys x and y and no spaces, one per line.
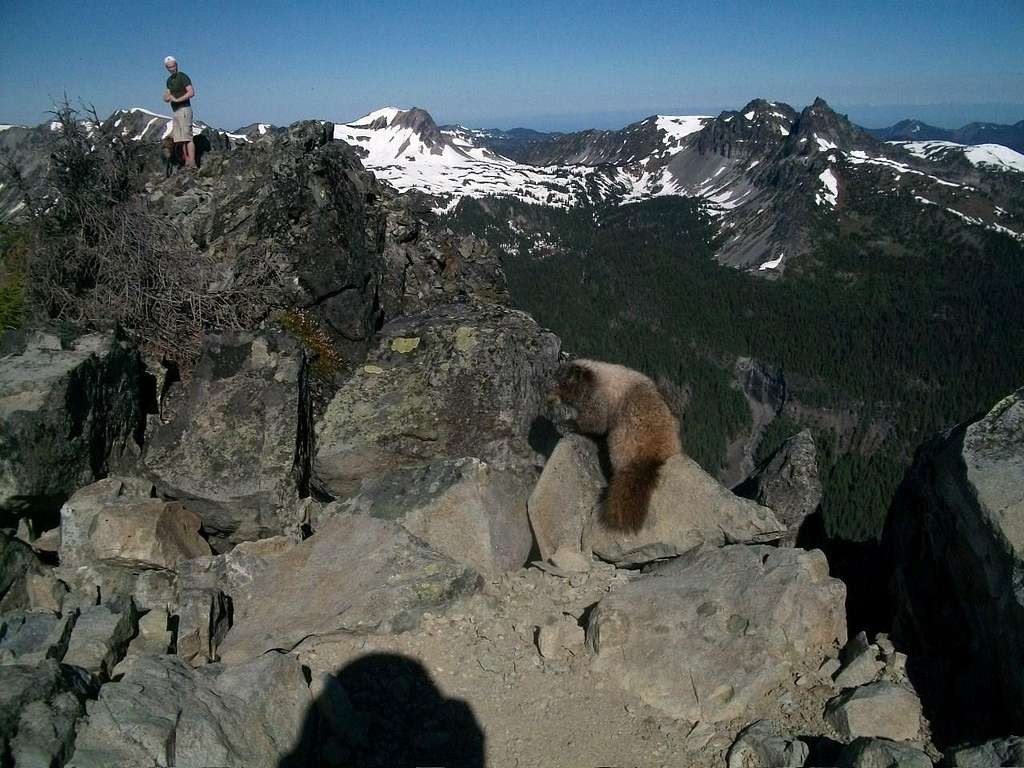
{"x":288,"y":577}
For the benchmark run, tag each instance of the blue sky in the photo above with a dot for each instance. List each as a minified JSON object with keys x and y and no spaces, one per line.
{"x":549,"y":65}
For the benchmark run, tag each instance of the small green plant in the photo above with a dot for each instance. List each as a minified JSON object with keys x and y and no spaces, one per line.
{"x":326,"y":360}
{"x":13,"y":262}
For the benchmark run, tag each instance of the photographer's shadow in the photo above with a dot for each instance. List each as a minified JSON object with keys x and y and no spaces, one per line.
{"x":384,"y":710}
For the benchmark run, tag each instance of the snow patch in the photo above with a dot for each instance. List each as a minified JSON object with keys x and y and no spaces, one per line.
{"x":831,"y":193}
{"x":773,"y":264}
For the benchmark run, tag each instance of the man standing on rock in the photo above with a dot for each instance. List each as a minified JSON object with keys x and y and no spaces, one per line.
{"x":179,"y":94}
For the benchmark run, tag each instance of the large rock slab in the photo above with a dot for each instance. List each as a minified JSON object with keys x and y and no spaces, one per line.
{"x":69,"y":412}
{"x":688,"y":508}
{"x":247,"y":715}
{"x":788,"y":483}
{"x":879,"y":709}
{"x":566,"y":496}
{"x":705,"y":635}
{"x":463,"y":508}
{"x":236,"y":450}
{"x":458,"y":380}
{"x":356,"y":575}
{"x":956,"y":538}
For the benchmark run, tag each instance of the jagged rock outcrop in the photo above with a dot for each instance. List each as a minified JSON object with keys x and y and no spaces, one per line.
{"x":237,"y":449}
{"x":788,"y":483}
{"x":702,"y":636}
{"x":956,"y":539}
{"x":456,"y":381}
{"x":356,"y":575}
{"x":228,"y":715}
{"x":69,"y":412}
{"x":342,"y":245}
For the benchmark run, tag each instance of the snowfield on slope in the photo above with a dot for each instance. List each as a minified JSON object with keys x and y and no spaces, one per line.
{"x":451,"y":166}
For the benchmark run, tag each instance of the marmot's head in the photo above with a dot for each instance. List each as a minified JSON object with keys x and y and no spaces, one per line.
{"x":571,"y":390}
{"x":572,"y":386}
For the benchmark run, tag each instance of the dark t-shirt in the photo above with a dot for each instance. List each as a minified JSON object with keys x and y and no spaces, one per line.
{"x":176,"y":84}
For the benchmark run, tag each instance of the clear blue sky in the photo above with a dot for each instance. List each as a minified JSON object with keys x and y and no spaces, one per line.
{"x":548,"y":65}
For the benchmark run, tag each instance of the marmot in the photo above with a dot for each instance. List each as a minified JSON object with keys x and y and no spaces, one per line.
{"x":610,"y":399}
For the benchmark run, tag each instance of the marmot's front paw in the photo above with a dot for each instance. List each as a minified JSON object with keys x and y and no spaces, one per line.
{"x":563,"y":417}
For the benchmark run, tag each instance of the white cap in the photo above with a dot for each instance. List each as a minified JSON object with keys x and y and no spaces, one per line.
{"x":170,"y":60}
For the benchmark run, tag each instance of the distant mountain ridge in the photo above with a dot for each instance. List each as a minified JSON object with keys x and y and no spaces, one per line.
{"x":1011,"y":136}
{"x":770,"y":174}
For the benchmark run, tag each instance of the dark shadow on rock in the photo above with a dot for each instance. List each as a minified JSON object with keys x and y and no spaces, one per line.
{"x":382,"y":710}
{"x":862,"y":566}
{"x":823,"y":750}
{"x":543,"y":436}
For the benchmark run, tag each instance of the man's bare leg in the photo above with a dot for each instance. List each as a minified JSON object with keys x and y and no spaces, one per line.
{"x":190,"y":154}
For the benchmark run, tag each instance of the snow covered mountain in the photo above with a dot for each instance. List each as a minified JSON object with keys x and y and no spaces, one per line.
{"x":770,"y":174}
{"x":766,"y":170}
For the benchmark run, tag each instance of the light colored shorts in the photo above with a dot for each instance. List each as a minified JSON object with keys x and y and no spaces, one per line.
{"x":182,"y":127}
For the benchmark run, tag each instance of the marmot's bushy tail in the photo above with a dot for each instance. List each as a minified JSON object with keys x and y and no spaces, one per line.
{"x":629,"y":494}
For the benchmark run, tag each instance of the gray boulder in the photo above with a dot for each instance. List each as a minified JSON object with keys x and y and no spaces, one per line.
{"x":761,"y":745}
{"x":882,"y":753}
{"x":38,"y":707}
{"x":100,"y":637}
{"x":104,"y":523}
{"x":236,"y":451}
{"x":246,"y":715}
{"x":878,"y":709}
{"x":152,"y":639}
{"x":861,"y":664}
{"x":69,"y":413}
{"x":356,"y":575}
{"x":205,"y":586}
{"x":705,"y":635}
{"x":996,"y":752}
{"x":566,"y":496}
{"x":46,"y":731}
{"x":29,"y":637}
{"x":463,"y":508}
{"x":455,"y":381}
{"x":788,"y":483}
{"x":688,"y":508}
{"x":956,"y":538}
{"x":18,"y":563}
{"x":119,"y":542}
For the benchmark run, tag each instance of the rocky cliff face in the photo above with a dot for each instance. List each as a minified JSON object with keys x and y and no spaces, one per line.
{"x":289,"y":579}
{"x":956,"y":538}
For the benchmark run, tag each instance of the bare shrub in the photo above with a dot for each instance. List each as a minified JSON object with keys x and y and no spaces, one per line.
{"x":101,"y":253}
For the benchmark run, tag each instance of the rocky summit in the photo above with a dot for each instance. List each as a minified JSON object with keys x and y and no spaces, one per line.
{"x":344,"y":532}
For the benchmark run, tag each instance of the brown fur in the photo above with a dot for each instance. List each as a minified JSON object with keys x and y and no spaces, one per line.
{"x":626,"y":406}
